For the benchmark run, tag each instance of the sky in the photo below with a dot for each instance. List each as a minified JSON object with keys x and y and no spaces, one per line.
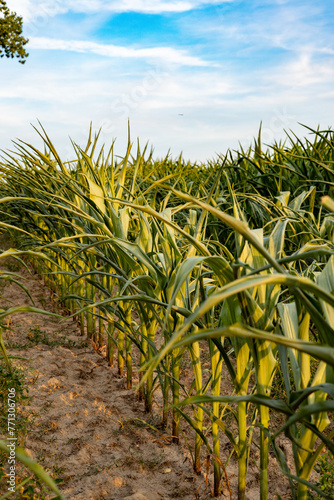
{"x":195,"y":77}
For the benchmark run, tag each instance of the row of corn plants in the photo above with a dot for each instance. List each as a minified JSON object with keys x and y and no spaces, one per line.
{"x":158,"y":260}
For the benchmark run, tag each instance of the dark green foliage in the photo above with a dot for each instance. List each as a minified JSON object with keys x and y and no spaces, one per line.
{"x":11,"y":40}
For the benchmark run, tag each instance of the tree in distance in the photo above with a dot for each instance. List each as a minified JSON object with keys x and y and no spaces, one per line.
{"x":11,"y":40}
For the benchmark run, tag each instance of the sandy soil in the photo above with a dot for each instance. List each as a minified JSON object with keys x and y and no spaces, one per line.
{"x":88,"y":431}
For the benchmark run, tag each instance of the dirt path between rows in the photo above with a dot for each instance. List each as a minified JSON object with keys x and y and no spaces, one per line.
{"x":84,"y":427}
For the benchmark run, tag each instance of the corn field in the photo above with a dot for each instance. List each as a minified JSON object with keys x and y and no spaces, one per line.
{"x":229,"y":262}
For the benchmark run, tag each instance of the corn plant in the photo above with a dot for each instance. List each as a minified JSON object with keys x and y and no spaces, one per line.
{"x":161,"y":256}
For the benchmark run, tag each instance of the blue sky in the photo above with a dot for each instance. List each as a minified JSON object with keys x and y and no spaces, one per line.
{"x":196,"y":76}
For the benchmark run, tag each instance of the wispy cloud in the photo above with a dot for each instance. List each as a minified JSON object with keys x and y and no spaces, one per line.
{"x":164,"y":54}
{"x":32,"y":9}
{"x":305,"y":72}
{"x":286,"y":25}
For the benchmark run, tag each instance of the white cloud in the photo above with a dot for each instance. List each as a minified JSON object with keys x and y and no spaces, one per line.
{"x":33,"y":9}
{"x":304,"y":71}
{"x":164,"y":54}
{"x":201,"y":116}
